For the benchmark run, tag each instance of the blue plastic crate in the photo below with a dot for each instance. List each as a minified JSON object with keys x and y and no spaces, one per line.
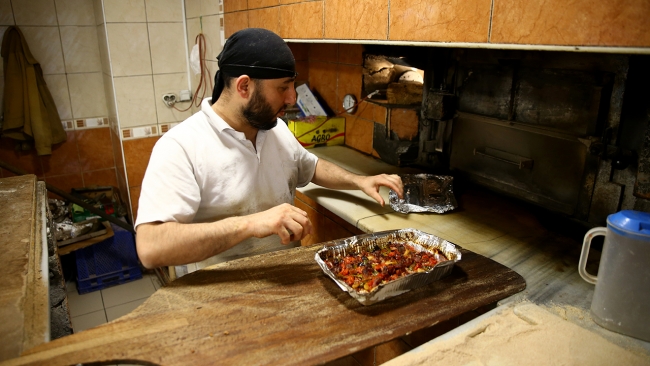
{"x":110,"y":262}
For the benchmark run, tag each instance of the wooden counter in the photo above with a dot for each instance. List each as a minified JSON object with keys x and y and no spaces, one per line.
{"x":275,"y":308}
{"x":24,"y":304}
{"x":520,"y":334}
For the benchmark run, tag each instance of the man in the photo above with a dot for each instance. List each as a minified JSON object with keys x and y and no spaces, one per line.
{"x":220,"y":185}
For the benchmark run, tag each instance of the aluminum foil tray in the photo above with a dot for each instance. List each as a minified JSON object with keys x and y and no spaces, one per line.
{"x":424,"y":193}
{"x":418,"y":239}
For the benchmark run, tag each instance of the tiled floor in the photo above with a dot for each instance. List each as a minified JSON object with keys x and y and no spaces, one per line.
{"x":99,"y":307}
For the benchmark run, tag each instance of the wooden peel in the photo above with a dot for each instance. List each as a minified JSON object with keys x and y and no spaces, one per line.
{"x":275,"y":308}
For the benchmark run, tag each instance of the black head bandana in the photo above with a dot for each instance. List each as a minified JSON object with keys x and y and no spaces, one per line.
{"x":256,"y":52}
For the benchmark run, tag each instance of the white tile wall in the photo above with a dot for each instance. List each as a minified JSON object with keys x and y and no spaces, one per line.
{"x":6,"y":15}
{"x":62,"y":37}
{"x":103,"y":49}
{"x":164,"y":10}
{"x":195,"y":84}
{"x":170,"y":83}
{"x":193,"y":29}
{"x":75,"y":12}
{"x":98,"y":8}
{"x":167,"y":42}
{"x":135,"y":101}
{"x":129,"y":49}
{"x":45,"y":45}
{"x":112,"y":123}
{"x":144,"y":41}
{"x":212,"y":67}
{"x":58,"y":87}
{"x":192,"y":8}
{"x":80,"y":49}
{"x":71,"y":41}
{"x":34,"y":12}
{"x":120,"y":11}
{"x":210,"y":7}
{"x":211,"y":31}
{"x":140,"y":50}
{"x":87,"y":95}
{"x":110,"y":96}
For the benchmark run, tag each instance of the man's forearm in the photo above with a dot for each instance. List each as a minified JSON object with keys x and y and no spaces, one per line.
{"x":172,"y":243}
{"x":332,"y":176}
{"x":329,"y":175}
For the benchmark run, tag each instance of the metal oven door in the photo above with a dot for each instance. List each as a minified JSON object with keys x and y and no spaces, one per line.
{"x":538,"y":165}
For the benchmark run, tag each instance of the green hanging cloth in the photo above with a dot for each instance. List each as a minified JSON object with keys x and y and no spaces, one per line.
{"x":30,"y":115}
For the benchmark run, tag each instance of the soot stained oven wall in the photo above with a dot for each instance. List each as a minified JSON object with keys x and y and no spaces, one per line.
{"x":566,"y":131}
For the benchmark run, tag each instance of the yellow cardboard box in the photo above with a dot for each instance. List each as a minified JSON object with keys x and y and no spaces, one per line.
{"x":322,"y":131}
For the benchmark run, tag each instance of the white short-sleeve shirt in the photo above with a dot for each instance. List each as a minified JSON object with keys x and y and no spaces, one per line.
{"x":202,"y":170}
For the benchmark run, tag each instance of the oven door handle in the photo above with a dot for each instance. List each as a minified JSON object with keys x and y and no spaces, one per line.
{"x":504,"y":156}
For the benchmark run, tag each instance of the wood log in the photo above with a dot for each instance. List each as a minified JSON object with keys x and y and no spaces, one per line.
{"x":404,"y":93}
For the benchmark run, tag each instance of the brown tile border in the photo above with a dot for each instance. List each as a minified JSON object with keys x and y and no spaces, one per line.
{"x":84,"y":123}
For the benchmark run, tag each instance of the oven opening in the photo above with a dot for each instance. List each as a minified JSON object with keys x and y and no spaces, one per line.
{"x":565,"y":131}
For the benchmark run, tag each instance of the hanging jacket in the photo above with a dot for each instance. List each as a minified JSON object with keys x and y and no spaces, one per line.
{"x":30,"y":114}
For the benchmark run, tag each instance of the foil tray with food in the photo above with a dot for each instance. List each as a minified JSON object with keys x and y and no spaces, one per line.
{"x":374,"y":267}
{"x":424,"y":193}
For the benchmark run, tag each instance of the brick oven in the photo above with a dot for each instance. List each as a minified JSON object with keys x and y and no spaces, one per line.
{"x":566,"y":131}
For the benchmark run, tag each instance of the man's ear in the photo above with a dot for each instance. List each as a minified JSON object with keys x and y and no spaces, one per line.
{"x":243,"y":86}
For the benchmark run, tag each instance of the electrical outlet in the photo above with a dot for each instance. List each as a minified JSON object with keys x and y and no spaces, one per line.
{"x":169,"y":99}
{"x":186,"y":96}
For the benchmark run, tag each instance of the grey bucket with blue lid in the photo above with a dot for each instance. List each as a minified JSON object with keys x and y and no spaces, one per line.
{"x":621,"y":301}
{"x":631,"y":224}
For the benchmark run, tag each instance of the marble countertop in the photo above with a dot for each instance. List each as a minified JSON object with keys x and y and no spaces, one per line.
{"x":506,"y":230}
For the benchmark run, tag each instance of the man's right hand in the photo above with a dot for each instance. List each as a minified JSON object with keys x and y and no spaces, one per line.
{"x":288,"y":222}
{"x":173,"y":243}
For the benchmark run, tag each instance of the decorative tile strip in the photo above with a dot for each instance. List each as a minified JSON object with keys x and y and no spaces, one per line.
{"x":68,"y":125}
{"x":83,"y":124}
{"x":139,"y":132}
{"x":167,"y":126}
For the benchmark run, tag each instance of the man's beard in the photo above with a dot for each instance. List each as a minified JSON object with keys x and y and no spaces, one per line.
{"x":259,"y":113}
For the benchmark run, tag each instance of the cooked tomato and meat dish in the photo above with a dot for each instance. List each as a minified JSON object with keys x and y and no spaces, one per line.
{"x":370,"y":267}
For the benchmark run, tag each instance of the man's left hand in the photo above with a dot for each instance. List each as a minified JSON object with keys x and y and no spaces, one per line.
{"x":370,"y":185}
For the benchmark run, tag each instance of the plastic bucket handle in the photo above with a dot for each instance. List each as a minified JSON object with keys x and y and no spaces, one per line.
{"x":586,"y":245}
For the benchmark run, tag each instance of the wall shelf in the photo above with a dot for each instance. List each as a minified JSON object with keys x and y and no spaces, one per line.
{"x":492,"y":46}
{"x":384,"y":103}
